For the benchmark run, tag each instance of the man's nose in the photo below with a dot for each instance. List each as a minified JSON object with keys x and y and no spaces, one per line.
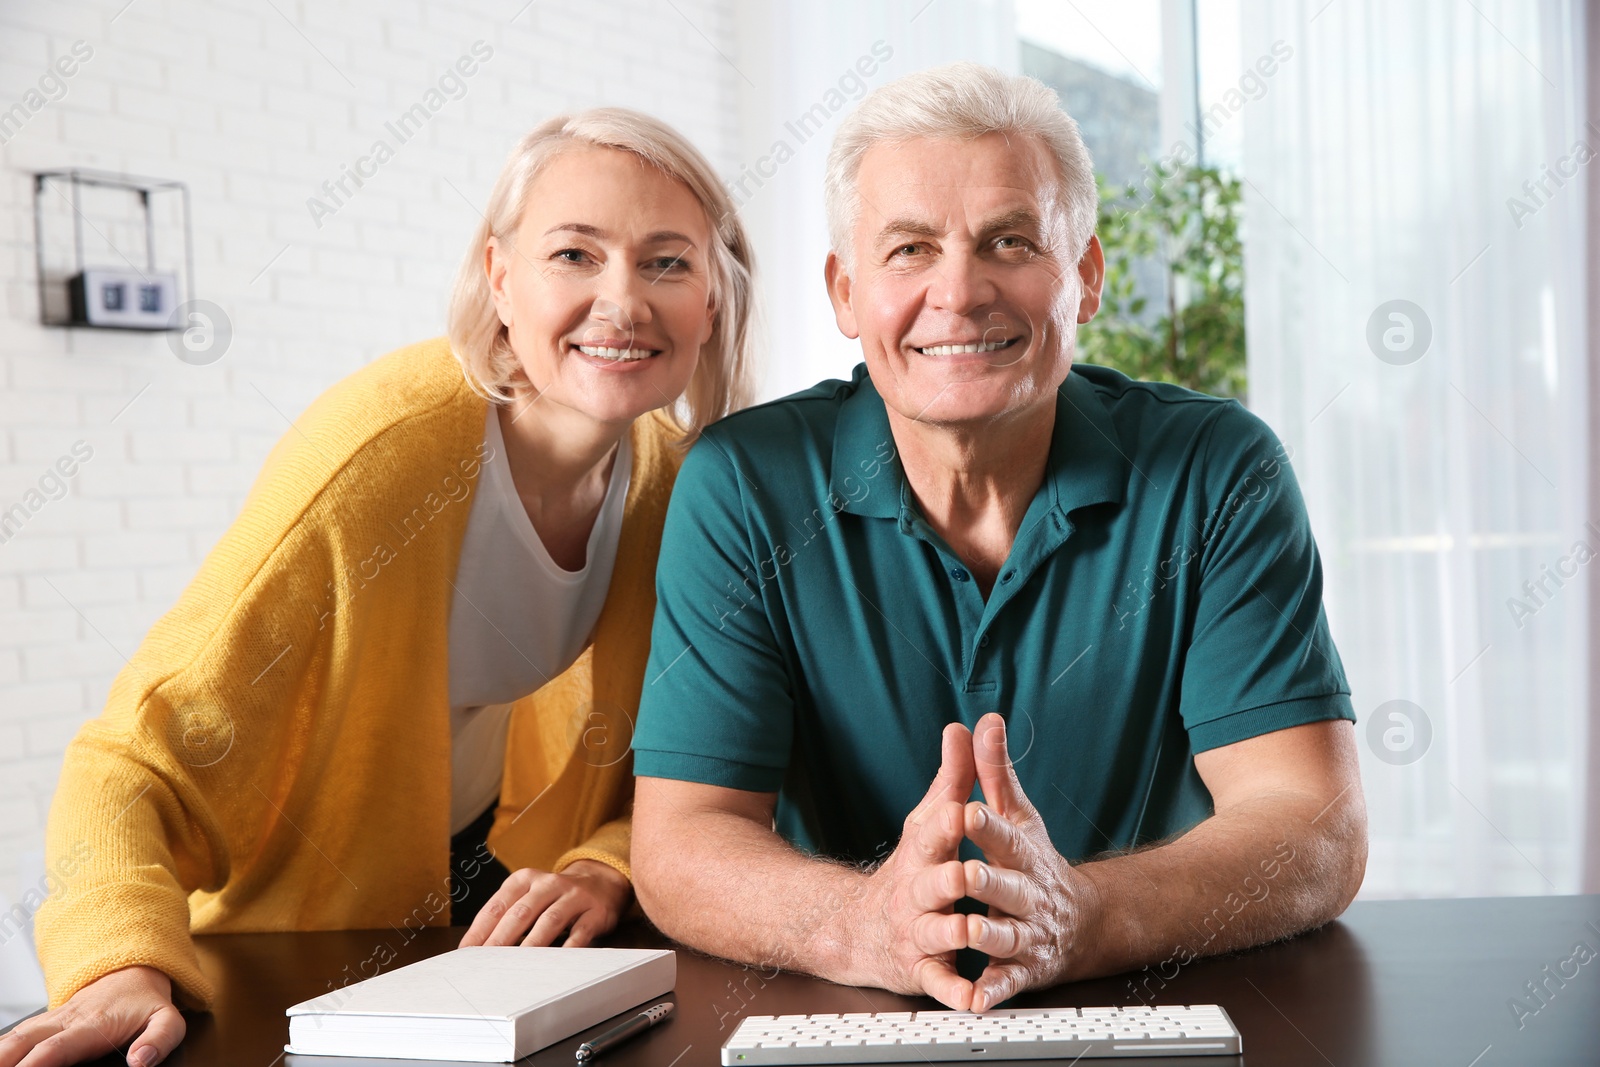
{"x":961,"y":284}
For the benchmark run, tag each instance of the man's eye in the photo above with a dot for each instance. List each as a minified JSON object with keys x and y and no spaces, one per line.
{"x":907,"y":250}
{"x":1006,"y":244}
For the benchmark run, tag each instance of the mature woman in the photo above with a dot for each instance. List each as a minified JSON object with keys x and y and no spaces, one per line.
{"x":353,"y":716}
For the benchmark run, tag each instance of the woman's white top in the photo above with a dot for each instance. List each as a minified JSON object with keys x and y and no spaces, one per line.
{"x":517,"y":619}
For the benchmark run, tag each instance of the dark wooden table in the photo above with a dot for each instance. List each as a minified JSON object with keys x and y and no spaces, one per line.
{"x":1401,"y":982}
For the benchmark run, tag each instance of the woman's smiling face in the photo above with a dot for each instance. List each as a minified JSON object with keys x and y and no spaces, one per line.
{"x":605,"y":287}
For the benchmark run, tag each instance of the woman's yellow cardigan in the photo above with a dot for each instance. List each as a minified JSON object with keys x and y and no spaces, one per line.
{"x":276,"y":755}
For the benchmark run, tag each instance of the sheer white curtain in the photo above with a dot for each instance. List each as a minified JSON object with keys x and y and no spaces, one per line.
{"x":1433,"y":153}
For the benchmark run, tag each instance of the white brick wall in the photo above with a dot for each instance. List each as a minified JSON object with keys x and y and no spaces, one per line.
{"x":231,"y":98}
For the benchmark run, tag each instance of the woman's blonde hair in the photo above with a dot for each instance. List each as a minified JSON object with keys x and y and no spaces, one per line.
{"x":721,"y":384}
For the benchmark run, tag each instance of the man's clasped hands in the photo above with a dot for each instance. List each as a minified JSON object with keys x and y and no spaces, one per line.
{"x":1042,"y":911}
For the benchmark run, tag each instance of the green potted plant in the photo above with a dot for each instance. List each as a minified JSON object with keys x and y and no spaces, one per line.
{"x":1185,"y":221}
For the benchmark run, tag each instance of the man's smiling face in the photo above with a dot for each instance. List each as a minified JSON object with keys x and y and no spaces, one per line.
{"x":962,"y":290}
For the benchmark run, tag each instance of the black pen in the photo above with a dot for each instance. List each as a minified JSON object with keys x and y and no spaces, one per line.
{"x":622,"y":1031}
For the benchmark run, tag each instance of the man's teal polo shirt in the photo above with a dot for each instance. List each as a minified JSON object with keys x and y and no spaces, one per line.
{"x":813,"y":634}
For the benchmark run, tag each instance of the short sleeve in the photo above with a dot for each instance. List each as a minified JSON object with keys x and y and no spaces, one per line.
{"x":717,"y":706}
{"x":1261,"y":657}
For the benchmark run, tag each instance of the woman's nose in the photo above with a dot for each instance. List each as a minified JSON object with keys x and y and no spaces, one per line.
{"x":623,"y":299}
{"x":615,"y":317}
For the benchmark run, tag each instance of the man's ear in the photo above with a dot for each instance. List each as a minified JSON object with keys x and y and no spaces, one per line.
{"x":1092,"y":273}
{"x":497,"y":265}
{"x":840,"y":290}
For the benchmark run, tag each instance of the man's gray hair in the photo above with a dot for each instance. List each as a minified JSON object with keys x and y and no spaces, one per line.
{"x":959,"y":100}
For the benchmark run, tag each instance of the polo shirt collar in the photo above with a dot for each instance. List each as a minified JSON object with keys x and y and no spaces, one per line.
{"x":1087,"y":464}
{"x":858,"y":444}
{"x":1088,"y":461}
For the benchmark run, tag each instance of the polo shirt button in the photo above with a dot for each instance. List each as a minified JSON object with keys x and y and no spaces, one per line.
{"x":983,"y":642}
{"x":1008,"y":575}
{"x":958,"y":574}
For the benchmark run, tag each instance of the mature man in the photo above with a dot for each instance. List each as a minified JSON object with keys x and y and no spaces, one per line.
{"x":1095,"y":600}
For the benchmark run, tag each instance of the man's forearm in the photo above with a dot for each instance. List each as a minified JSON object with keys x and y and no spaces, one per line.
{"x":1262,"y":871}
{"x":774,"y":906}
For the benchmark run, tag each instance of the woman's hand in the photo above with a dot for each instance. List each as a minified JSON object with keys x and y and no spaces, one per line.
{"x":588,"y":896}
{"x":135,"y":1002}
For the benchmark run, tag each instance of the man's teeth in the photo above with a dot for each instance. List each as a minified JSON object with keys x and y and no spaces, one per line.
{"x":962,"y":350}
{"x":617,"y":355}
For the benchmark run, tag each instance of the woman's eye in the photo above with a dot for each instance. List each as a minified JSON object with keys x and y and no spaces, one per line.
{"x":570,"y":255}
{"x":666,"y":263}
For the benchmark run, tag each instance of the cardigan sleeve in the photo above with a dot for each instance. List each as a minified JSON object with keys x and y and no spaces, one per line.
{"x":607,"y":845}
{"x":161,"y":795}
{"x":209,"y":780}
{"x":122,"y":839}
{"x":170,"y":790}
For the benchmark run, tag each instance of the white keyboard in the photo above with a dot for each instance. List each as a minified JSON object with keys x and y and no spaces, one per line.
{"x":1037,"y":1034}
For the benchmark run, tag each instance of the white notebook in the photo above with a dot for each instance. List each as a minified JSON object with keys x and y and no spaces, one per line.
{"x":491,"y":1005}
